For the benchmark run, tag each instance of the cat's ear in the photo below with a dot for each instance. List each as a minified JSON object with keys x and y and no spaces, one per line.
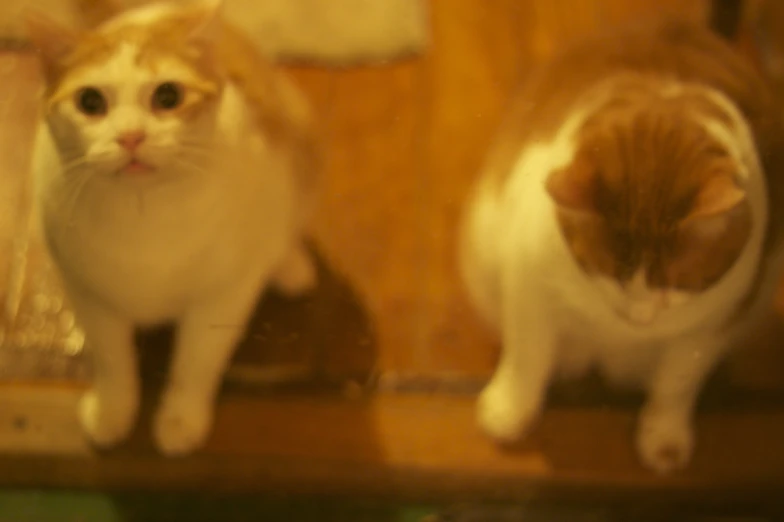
{"x":573,"y":188}
{"x":718,"y":208}
{"x":96,"y":12}
{"x":208,"y":21}
{"x":719,"y":195}
{"x":52,"y":40}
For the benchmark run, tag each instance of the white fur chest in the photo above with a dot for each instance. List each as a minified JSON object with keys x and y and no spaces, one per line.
{"x":527,"y":230}
{"x":531,"y":225}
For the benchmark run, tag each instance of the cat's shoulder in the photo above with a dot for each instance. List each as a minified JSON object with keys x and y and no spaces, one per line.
{"x":680,"y":51}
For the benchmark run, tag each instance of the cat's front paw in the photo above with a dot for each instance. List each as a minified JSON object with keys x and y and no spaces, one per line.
{"x":181,"y":426}
{"x":665,"y":441}
{"x":505,"y":414}
{"x":107,"y":422}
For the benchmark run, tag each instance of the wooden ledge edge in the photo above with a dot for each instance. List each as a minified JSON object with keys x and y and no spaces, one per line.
{"x":422,"y":447}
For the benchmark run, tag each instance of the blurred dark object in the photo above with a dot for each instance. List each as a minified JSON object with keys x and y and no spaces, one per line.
{"x":725,"y":17}
{"x":765,"y":21}
{"x":322,"y":339}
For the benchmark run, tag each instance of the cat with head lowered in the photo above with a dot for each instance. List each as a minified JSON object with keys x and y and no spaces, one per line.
{"x":175,"y":173}
{"x":627,"y":222}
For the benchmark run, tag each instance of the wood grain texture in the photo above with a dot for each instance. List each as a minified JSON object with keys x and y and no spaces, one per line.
{"x":477,"y":56}
{"x":417,"y":447}
{"x":405,"y":141}
{"x":369,"y":222}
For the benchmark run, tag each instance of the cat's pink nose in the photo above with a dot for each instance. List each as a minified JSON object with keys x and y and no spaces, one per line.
{"x":131,"y":140}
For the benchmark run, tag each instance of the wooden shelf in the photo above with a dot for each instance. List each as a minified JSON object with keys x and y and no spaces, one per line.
{"x":414,"y":447}
{"x":404,"y":146}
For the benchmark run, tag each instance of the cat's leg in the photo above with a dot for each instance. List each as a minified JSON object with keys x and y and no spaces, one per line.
{"x":477,"y":254}
{"x":513,"y":399}
{"x":665,"y":436}
{"x":297,"y":273}
{"x":207,"y":336}
{"x":109,"y":409}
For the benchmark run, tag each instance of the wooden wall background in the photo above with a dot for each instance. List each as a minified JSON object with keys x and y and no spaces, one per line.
{"x":404,"y":142}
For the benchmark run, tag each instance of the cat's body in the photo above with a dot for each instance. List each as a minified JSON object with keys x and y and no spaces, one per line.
{"x":148,"y":251}
{"x":623,"y":224}
{"x":181,"y":200}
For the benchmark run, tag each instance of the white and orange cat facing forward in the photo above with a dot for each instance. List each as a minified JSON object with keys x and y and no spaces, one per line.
{"x":627,"y":221}
{"x":175,"y":174}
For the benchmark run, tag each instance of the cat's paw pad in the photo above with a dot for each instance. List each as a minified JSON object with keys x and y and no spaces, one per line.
{"x":181,"y":428}
{"x":297,"y":276}
{"x":665,"y":443}
{"x":505,"y":416}
{"x":105,"y":424}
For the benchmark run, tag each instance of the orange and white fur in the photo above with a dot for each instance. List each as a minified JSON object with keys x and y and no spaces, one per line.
{"x":623,"y":224}
{"x":172,"y":178}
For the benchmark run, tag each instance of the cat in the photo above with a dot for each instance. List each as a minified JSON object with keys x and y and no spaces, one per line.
{"x":627,"y":220}
{"x":176,"y":172}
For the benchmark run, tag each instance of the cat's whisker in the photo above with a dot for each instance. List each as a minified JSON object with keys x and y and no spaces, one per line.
{"x":190,"y":165}
{"x":195,"y":157}
{"x":195,"y":143}
{"x":75,"y":180}
{"x":78,"y":162}
{"x":196,"y":153}
{"x":191,"y":141}
{"x":195,"y":149}
{"x":72,"y":151}
{"x":139,"y":236}
{"x":74,"y":187}
{"x":82,"y":159}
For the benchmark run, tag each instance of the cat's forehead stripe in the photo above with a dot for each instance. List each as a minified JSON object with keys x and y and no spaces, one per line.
{"x":157,"y":44}
{"x":130,"y":62}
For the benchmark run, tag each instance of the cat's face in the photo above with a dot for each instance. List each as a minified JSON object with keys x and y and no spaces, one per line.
{"x":130,"y":102}
{"x":651,"y":209}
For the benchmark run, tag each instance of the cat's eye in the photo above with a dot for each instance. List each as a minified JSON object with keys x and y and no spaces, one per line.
{"x":167,"y":96}
{"x":91,"y":102}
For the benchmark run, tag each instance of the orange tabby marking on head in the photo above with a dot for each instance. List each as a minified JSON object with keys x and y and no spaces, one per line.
{"x":222,"y":54}
{"x":642,"y":173}
{"x":683,"y":52}
{"x":639,"y":80}
{"x":157,"y":44}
